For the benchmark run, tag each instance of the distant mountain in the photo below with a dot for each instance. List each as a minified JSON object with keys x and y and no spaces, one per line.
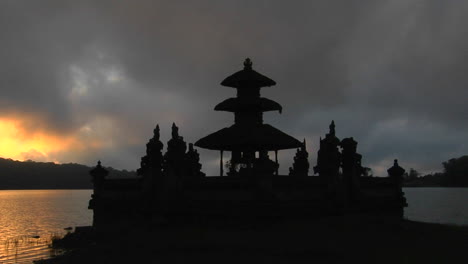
{"x":48,"y":175}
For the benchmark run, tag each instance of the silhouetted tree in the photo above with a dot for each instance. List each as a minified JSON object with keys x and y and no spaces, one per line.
{"x":367,"y":172}
{"x":456,"y":171}
{"x":411,"y":175}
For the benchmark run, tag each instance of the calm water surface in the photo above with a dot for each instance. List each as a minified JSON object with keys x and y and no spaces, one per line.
{"x":437,"y":205}
{"x":27,"y":214}
{"x":29,"y":219}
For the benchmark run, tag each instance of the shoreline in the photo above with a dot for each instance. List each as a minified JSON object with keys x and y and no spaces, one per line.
{"x":32,"y":189}
{"x":325,"y":240}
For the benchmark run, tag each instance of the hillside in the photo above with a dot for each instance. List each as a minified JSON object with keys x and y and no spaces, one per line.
{"x":48,"y":175}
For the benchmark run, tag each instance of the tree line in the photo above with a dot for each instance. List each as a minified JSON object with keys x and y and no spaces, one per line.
{"x":454,"y":174}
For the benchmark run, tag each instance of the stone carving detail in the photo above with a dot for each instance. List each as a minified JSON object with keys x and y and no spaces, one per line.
{"x":396,"y":173}
{"x":329,"y":158}
{"x":301,"y":163}
{"x":152,"y":162}
{"x":193,"y":163}
{"x":174,"y":158}
{"x":264,"y":166}
{"x":98,"y":176}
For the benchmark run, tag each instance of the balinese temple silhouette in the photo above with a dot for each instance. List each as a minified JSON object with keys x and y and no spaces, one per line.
{"x":248,"y":135}
{"x":171,"y":186}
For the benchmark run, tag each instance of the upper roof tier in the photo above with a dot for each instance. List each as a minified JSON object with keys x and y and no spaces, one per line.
{"x":247,"y":78}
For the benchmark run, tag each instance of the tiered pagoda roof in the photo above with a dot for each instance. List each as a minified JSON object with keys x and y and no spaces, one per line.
{"x":248,"y":132}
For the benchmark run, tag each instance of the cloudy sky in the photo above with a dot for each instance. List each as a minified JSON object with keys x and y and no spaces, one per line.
{"x":87,"y":80}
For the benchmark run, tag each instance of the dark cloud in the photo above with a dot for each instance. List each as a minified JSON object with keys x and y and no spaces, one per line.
{"x":391,"y":73}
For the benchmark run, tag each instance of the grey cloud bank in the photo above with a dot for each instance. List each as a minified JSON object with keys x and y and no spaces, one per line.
{"x":392,"y":74}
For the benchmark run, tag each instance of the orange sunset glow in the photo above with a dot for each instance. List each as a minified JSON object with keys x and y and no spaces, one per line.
{"x":18,"y":143}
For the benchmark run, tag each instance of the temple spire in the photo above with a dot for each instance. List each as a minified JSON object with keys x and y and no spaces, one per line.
{"x":156,"y":133}
{"x":247,"y":64}
{"x":175,"y":131}
{"x":332,"y":128}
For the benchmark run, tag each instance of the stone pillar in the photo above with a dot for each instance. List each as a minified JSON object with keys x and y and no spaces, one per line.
{"x":276,"y":161}
{"x":351,"y":164}
{"x":328,"y":166}
{"x":221,"y":171}
{"x":396,"y":174}
{"x":98,"y":175}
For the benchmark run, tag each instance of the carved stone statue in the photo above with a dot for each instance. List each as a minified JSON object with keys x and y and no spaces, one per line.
{"x":328,"y":164}
{"x":193,"y":162}
{"x":151,"y":170}
{"x":153,"y":160}
{"x":329,"y":158}
{"x":98,"y":175}
{"x":396,"y":174}
{"x":264,"y":166}
{"x":263,"y":171}
{"x":175,"y":155}
{"x":301,"y":163}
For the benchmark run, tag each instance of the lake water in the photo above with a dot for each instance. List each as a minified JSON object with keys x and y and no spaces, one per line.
{"x":30,"y":218}
{"x":437,"y":205}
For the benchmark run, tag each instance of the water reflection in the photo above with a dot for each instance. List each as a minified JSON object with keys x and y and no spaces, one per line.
{"x":29,"y":219}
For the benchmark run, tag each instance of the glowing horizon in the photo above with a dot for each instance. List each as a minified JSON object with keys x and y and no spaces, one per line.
{"x":18,"y":143}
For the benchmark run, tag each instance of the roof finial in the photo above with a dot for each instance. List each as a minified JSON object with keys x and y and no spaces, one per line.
{"x":156,"y":132}
{"x":175,"y":131}
{"x":332,"y":128}
{"x":248,"y":64}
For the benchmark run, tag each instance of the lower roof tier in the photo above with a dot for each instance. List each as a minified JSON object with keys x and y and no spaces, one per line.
{"x":248,"y":138}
